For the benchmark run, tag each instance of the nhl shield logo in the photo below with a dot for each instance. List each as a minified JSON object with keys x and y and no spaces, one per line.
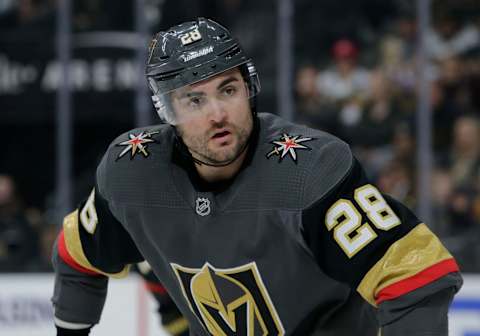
{"x":202,"y":206}
{"x":231,"y":301}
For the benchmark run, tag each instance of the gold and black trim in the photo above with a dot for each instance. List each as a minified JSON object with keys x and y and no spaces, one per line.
{"x":74,"y":246}
{"x":410,"y":255}
{"x":227,"y":301}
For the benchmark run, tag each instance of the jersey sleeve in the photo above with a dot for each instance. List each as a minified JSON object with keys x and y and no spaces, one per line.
{"x":372,"y":242}
{"x":94,"y":242}
{"x":91,"y":247}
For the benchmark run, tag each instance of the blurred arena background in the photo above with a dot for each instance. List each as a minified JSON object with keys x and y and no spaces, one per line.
{"x":398,"y":80}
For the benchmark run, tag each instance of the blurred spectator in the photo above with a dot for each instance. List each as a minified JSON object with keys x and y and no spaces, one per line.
{"x":311,"y":109}
{"x":394,"y":167}
{"x":464,"y":170}
{"x":378,"y":116}
{"x":397,"y":51}
{"x":395,"y":180}
{"x":372,"y":135}
{"x":306,"y":86}
{"x":404,"y":145}
{"x":450,"y":37}
{"x":456,"y":218}
{"x":464,"y":157}
{"x":472,"y":72}
{"x":444,"y":113}
{"x":345,"y":86}
{"x":345,"y":80}
{"x":18,"y":239}
{"x":319,"y":23}
{"x":453,"y":77}
{"x":461,"y":210}
{"x":454,"y":207}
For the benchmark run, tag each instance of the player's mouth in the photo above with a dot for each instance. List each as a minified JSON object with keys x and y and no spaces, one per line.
{"x":221,"y":136}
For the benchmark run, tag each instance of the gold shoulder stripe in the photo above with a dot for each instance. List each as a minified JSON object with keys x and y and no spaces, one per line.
{"x":418,"y":250}
{"x":74,"y":246}
{"x":177,"y":326}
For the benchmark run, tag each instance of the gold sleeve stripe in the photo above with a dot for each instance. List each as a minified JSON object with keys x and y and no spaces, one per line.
{"x":410,"y":255}
{"x":426,"y":276}
{"x":177,"y":326}
{"x":67,"y":258}
{"x":74,"y":246}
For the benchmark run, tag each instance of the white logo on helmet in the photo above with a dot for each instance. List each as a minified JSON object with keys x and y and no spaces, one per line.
{"x":197,"y":53}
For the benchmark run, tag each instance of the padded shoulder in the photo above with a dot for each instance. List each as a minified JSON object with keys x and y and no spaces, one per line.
{"x":307,"y":161}
{"x":136,"y":165}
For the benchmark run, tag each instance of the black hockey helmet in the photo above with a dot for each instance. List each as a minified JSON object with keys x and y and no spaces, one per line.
{"x":191,"y":52}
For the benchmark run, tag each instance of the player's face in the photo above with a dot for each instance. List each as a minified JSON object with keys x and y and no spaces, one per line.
{"x":215,"y":120}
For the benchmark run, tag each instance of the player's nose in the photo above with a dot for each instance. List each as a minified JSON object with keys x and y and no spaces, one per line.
{"x":218,"y":111}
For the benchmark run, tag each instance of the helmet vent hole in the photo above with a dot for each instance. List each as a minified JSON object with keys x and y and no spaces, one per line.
{"x":195,"y":73}
{"x":213,"y":66}
{"x":232,"y":52}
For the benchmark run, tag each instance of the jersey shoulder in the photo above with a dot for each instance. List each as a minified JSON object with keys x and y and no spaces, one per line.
{"x":135,"y":161}
{"x":315,"y":160}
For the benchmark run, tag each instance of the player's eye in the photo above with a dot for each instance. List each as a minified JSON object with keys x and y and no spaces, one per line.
{"x":229,"y":90}
{"x":195,"y":102}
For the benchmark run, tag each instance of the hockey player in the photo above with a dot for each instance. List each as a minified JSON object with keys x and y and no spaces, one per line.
{"x":254,"y":225}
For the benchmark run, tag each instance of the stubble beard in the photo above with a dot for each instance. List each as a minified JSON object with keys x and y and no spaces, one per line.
{"x":200,"y":149}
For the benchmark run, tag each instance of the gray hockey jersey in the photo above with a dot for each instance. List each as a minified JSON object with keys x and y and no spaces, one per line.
{"x":298,"y":243}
